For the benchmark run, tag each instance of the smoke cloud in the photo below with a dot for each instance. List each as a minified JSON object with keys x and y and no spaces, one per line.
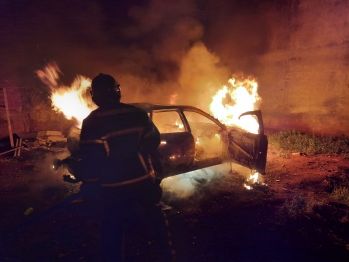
{"x":156,"y":49}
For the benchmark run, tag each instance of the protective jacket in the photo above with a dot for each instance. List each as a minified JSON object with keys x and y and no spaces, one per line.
{"x":115,"y":146}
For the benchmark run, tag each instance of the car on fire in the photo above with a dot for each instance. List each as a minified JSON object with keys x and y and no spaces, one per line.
{"x":192,"y":139}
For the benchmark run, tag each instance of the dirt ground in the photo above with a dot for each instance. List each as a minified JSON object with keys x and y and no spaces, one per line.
{"x":291,"y":217}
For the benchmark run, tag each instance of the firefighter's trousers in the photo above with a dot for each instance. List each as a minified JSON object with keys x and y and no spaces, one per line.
{"x":119,"y":211}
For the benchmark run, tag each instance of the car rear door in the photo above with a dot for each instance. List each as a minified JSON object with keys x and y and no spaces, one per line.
{"x":177,"y":145}
{"x":209,"y":135}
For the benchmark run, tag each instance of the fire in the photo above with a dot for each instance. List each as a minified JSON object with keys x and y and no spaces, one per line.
{"x":70,"y":100}
{"x":254,"y":179}
{"x":233,"y":100}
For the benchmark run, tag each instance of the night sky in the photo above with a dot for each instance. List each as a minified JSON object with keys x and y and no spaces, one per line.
{"x":157,"y":47}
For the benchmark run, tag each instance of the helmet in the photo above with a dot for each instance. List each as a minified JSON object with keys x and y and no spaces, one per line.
{"x":105,"y":90}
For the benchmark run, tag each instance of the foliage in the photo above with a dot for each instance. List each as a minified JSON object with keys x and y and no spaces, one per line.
{"x":309,"y":144}
{"x":340,"y":194}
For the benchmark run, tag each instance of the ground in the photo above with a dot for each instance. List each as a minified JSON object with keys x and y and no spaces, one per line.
{"x":293,"y":214}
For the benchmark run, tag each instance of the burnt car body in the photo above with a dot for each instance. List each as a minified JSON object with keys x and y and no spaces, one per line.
{"x":192,"y":139}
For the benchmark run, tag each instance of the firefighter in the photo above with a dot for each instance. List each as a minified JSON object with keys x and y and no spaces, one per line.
{"x":116,"y":144}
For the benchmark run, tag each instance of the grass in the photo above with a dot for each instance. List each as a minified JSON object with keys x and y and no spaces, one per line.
{"x":340,"y":194}
{"x":296,"y":141}
{"x":323,"y":215}
{"x":297,"y":207}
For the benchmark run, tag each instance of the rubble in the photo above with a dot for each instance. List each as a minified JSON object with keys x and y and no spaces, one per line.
{"x":50,"y":140}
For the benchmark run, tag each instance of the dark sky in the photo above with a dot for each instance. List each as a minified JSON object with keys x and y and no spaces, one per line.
{"x":160,"y":47}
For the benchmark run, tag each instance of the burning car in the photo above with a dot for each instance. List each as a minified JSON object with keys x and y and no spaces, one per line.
{"x":192,"y":139}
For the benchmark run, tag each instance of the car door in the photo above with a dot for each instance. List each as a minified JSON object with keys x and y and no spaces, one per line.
{"x":177,"y":145}
{"x":248,"y":149}
{"x":210,"y":138}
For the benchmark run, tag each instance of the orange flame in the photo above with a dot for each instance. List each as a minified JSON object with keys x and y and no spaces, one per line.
{"x":70,"y":100}
{"x":241,"y":97}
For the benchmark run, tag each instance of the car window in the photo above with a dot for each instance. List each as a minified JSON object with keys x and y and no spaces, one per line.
{"x":168,"y":122}
{"x":206,"y":134}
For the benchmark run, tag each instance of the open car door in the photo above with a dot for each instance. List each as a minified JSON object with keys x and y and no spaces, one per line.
{"x":247,"y":149}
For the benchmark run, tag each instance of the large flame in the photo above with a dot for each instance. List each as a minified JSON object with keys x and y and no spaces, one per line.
{"x":227,"y":104}
{"x":71,"y":100}
{"x":233,"y":100}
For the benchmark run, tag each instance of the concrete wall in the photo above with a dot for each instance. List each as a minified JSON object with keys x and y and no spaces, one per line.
{"x":304,"y":77}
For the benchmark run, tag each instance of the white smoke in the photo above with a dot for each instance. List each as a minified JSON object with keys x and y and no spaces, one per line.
{"x":186,"y":185}
{"x":228,"y":177}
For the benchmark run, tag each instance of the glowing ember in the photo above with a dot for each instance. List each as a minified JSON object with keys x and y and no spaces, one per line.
{"x":240,"y":97}
{"x":71,"y":101}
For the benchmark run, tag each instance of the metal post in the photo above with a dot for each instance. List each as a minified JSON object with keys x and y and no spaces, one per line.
{"x":8,"y":118}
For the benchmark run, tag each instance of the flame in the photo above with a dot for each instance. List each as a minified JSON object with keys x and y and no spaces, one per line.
{"x":243,"y":96}
{"x":70,"y":100}
{"x":254,"y":180}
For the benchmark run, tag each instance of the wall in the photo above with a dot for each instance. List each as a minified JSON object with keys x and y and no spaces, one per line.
{"x":304,"y":77}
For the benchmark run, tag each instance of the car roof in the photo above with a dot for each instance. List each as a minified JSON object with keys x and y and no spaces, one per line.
{"x":149,"y":107}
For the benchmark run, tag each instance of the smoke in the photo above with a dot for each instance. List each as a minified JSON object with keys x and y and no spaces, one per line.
{"x":160,"y":51}
{"x":171,"y":60}
{"x":201,"y":73}
{"x":154,"y":49}
{"x":208,"y":181}
{"x":47,"y":177}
